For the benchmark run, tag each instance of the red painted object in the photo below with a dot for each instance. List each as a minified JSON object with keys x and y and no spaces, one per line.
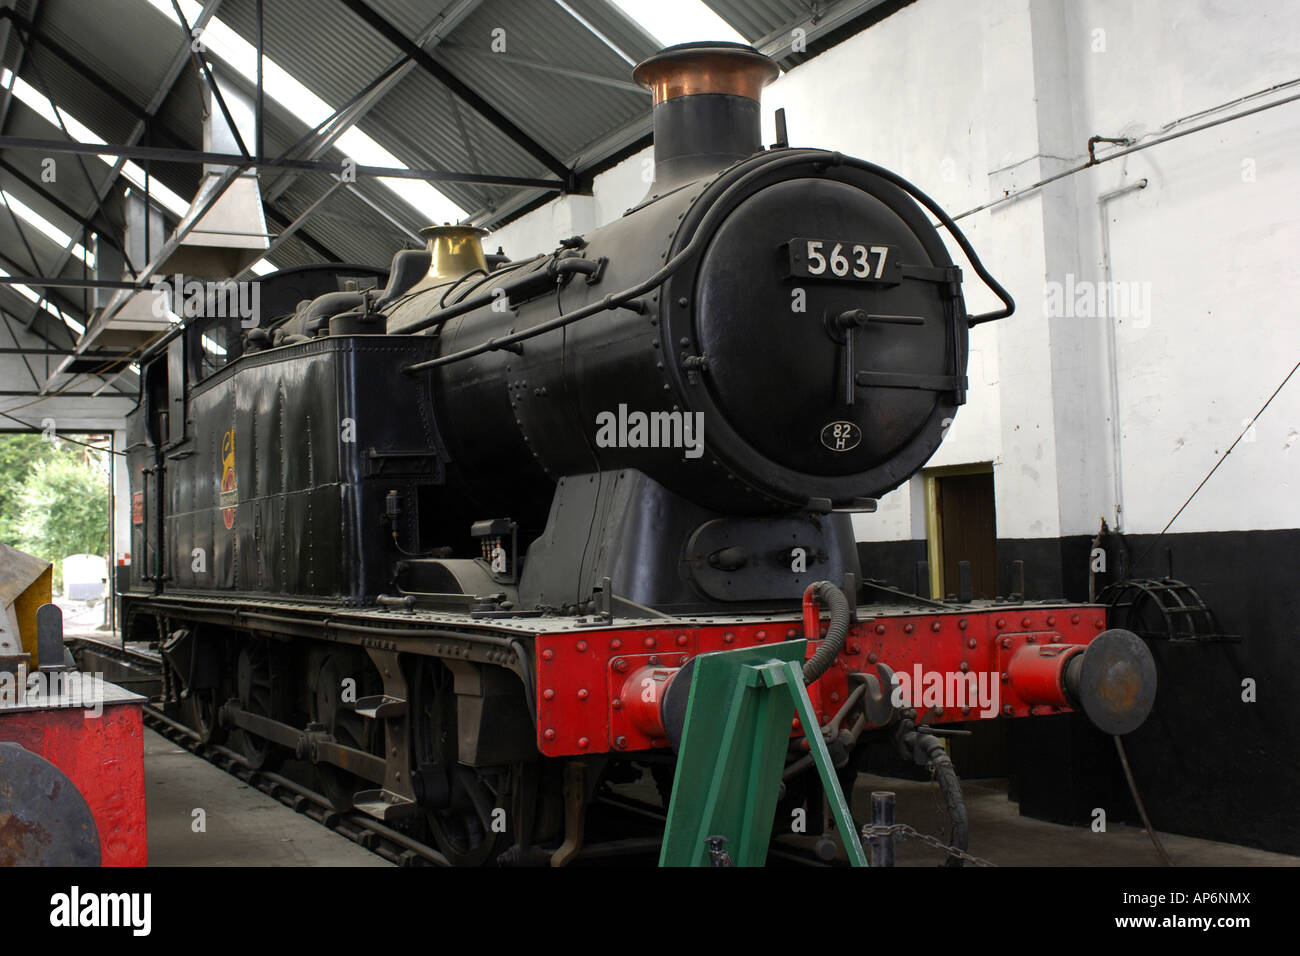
{"x":103,"y":756}
{"x":593,"y":696}
{"x":1037,"y":671}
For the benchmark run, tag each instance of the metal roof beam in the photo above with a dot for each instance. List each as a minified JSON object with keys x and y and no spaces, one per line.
{"x":17,"y":349}
{"x":103,"y":228}
{"x":142,"y":124}
{"x":45,"y":331}
{"x":621,"y":140}
{"x":444,"y":76}
{"x":16,"y":394}
{"x":206,"y":71}
{"x":60,"y":282}
{"x":30,"y":34}
{"x":63,"y":304}
{"x":70,"y":58}
{"x":18,"y":64}
{"x":287,"y":232}
{"x":778,"y":43}
{"x":321,"y":129}
{"x":547,"y":68}
{"x":322,"y":250}
{"x":6,"y":350}
{"x":433,"y":34}
{"x":22,"y":233}
{"x":168,"y":155}
{"x":383,"y":212}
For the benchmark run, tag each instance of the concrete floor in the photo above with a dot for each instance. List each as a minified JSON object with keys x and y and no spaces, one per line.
{"x":245,"y":827}
{"x":1001,"y":835}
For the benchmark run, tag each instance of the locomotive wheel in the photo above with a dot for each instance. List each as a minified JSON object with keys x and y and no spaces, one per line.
{"x":203,"y":706}
{"x":257,"y":696}
{"x":346,"y":727}
{"x":459,"y":831}
{"x":454,"y":808}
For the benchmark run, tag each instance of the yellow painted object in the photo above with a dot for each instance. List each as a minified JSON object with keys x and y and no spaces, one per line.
{"x":26,"y":582}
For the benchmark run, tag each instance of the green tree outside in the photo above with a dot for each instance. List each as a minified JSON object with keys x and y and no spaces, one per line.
{"x":53,"y":498}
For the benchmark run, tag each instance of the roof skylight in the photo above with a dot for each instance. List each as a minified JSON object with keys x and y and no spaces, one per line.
{"x":679,"y":21}
{"x":82,"y":133}
{"x":600,"y":36}
{"x":45,"y":227}
{"x":31,"y":295}
{"x":311,"y":110}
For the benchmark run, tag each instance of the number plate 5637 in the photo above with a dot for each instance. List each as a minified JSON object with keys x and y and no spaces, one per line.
{"x":844,"y":259}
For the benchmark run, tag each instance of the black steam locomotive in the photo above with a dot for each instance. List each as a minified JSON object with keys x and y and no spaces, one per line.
{"x":426,"y":536}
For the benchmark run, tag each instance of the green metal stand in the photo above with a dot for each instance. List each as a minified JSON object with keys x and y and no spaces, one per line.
{"x":733,"y":751}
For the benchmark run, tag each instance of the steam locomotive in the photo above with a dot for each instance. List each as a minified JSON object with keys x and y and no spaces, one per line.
{"x":434,"y":538}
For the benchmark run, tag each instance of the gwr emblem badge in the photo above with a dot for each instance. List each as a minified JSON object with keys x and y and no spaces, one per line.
{"x":229,"y":487}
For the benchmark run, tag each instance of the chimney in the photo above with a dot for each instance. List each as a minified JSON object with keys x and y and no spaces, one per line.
{"x":453,"y":251}
{"x":450,"y":252}
{"x":706,"y":107}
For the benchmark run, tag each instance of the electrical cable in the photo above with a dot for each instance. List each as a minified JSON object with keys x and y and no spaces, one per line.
{"x":1135,"y":148}
{"x":1222,"y":459}
{"x":37,"y":428}
{"x":1137,"y":799}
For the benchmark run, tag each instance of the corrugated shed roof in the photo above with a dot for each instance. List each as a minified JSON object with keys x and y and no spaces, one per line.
{"x":764,"y":22}
{"x":91,"y":30}
{"x":556,"y":81}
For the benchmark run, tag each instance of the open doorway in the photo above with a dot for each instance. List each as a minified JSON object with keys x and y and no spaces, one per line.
{"x":961,"y":525}
{"x":56,"y":505}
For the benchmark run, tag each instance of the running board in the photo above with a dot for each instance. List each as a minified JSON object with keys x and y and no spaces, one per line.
{"x":380,"y":706}
{"x":384,"y":805}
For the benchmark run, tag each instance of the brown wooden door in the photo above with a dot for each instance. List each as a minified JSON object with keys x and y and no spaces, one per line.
{"x":968,"y":527}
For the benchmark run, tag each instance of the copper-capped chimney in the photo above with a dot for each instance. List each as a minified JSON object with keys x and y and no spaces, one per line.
{"x":706,"y":107}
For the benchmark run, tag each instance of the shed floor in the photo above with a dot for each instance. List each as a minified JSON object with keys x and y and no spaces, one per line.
{"x":999,"y":834}
{"x":245,"y":827}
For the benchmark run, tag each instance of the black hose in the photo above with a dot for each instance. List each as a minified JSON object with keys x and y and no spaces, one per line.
{"x":832,"y":598}
{"x":928,"y":751}
{"x":945,"y":774}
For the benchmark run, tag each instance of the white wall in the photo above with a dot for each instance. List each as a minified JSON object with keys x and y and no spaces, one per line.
{"x":974,"y":99}
{"x":1219,"y":252}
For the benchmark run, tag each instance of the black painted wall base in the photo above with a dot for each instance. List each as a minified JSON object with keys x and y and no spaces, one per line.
{"x":1207,"y":762}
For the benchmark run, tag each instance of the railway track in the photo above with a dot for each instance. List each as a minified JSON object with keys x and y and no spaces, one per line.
{"x":395,"y":847}
{"x":139,"y":668}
